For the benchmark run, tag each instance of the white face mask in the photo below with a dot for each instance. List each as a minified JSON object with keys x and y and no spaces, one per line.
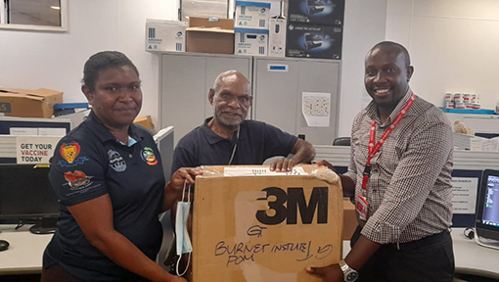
{"x":184,"y":245}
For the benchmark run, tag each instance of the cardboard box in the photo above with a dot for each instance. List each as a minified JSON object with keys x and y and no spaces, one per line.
{"x":252,"y":15}
{"x":145,"y":122}
{"x":277,"y":37}
{"x":251,"y":42}
{"x":165,"y":35}
{"x":29,"y":103}
{"x":349,"y":219}
{"x":261,"y":226}
{"x":323,"y":12}
{"x":210,"y":35}
{"x":313,"y":41}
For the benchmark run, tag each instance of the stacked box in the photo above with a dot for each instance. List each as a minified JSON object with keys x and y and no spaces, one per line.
{"x":251,"y":42}
{"x":251,"y":28}
{"x":254,"y":15}
{"x":208,"y":35}
{"x":164,"y":35}
{"x":313,"y":41}
{"x":277,"y":37}
{"x":315,"y":29}
{"x":321,"y":12}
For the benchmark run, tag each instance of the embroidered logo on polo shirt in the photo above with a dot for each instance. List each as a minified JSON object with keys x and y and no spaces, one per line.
{"x":148,"y":156}
{"x":116,"y":161}
{"x":77,"y":179}
{"x":69,"y":152}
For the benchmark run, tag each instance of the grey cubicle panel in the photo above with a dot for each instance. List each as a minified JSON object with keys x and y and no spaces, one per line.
{"x":467,"y":164}
{"x":164,"y":142}
{"x":278,"y":84}
{"x":185,"y":79}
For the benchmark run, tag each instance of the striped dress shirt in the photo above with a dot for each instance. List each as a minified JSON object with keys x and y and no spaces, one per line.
{"x":409,"y":190}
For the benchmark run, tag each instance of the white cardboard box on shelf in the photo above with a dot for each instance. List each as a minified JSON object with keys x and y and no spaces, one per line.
{"x":251,"y":42}
{"x":252,"y":15}
{"x":277,"y":38}
{"x":162,"y":35}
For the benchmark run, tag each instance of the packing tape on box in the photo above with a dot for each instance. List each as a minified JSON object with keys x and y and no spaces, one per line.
{"x":326,"y":174}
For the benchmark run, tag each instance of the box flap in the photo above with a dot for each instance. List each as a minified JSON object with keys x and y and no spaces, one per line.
{"x":209,"y":29}
{"x":253,"y":4}
{"x":319,"y":172}
{"x":45,"y":92}
{"x":166,"y":22}
{"x":227,"y":24}
{"x":38,"y":94}
{"x":20,"y":93}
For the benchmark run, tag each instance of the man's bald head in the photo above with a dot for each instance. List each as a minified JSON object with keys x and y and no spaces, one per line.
{"x":229,"y":75}
{"x":392,"y":47}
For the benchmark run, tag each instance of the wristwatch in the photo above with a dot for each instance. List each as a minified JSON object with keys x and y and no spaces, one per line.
{"x":349,"y":274}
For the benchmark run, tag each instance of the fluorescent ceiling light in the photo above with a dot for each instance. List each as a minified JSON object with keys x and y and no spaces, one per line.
{"x":55,"y":7}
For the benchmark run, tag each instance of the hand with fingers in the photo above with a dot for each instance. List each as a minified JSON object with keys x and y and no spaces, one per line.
{"x":326,"y":164}
{"x":282,"y":165}
{"x":184,"y":175}
{"x":330,"y":273}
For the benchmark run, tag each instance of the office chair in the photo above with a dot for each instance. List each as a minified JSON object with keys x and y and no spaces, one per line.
{"x":341,"y":141}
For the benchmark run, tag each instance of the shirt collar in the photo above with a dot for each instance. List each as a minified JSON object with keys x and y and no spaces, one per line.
{"x":104,"y":135}
{"x":372,"y":109}
{"x":213,"y":138}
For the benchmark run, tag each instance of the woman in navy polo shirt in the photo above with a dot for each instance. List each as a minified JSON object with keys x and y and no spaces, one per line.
{"x":108,"y":177}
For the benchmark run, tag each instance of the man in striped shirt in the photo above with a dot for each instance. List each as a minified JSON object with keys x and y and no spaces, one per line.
{"x":399,"y":176}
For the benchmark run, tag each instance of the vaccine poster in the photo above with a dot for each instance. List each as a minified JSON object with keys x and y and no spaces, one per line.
{"x":35,"y":149}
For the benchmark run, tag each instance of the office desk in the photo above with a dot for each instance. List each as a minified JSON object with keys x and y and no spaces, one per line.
{"x":474,"y":259}
{"x":470,"y":258}
{"x":24,"y":255}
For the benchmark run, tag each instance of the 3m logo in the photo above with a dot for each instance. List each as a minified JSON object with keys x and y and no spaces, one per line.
{"x":285,"y":206}
{"x":5,"y":108}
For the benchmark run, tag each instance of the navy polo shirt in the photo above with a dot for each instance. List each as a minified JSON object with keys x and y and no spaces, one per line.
{"x":257,"y":142}
{"x":89,"y":162}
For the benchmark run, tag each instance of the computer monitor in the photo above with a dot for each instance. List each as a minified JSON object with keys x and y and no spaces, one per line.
{"x":164,"y":142}
{"x":6,"y":123}
{"x":26,"y":197}
{"x":487,"y":216}
{"x":7,"y":145}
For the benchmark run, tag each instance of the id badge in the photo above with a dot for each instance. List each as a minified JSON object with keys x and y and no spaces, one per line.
{"x":362,"y":207}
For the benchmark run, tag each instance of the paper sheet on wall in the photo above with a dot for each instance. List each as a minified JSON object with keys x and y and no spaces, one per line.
{"x":464,"y":191}
{"x":316,"y":108}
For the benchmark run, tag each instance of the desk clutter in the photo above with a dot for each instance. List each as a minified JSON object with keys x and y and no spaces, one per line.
{"x":29,"y":103}
{"x":465,"y":103}
{"x":306,"y":29}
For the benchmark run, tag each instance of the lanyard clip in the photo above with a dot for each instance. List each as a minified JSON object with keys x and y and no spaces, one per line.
{"x":367,"y":171}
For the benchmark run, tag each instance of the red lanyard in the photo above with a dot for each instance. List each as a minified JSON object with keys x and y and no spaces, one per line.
{"x":374,"y":149}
